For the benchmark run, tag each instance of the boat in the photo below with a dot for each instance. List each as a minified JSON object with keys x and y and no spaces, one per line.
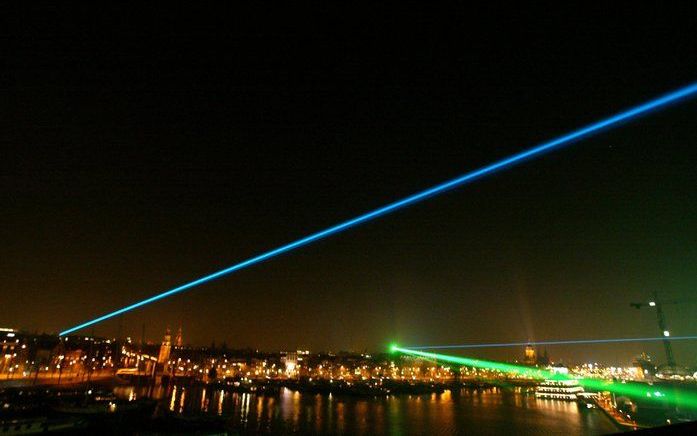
{"x":173,"y":422}
{"x":41,"y":425}
{"x":562,"y":389}
{"x":105,"y":406}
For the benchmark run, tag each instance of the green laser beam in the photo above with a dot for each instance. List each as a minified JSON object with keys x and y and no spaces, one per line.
{"x":675,"y":396}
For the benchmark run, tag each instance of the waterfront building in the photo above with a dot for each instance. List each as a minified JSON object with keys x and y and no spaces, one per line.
{"x":290,"y":360}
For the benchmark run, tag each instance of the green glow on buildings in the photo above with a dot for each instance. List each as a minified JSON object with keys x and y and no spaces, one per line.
{"x":669,"y":395}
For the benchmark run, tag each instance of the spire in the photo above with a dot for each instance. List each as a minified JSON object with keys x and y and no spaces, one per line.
{"x":165,"y":348}
{"x":179,"y":342}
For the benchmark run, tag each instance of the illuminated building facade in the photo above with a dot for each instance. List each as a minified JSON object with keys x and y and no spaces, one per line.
{"x":290,"y":360}
{"x":530,"y":355}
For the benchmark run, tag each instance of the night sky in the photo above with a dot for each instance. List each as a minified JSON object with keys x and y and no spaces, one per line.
{"x":140,"y":149}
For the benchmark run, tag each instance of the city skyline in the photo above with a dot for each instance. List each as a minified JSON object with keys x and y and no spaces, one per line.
{"x":557,"y":351}
{"x":40,"y":353}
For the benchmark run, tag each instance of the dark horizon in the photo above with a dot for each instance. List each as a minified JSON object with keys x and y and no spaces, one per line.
{"x":142,"y":153}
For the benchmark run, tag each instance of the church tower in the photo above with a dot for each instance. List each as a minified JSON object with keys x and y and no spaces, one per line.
{"x":165,"y":348}
{"x":179,"y":342}
{"x":530,"y":355}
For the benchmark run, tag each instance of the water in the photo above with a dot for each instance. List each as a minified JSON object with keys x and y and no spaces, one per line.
{"x":480,"y":411}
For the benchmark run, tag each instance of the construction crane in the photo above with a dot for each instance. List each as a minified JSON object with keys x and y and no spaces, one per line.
{"x":662,"y":325}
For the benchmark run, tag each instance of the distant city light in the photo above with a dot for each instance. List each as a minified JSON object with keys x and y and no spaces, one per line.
{"x":556,"y":342}
{"x":612,"y":121}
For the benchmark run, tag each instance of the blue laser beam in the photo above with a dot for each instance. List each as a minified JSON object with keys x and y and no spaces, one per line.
{"x":556,"y":342}
{"x":612,"y":121}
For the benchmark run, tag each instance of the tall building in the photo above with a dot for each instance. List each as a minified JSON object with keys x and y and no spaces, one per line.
{"x":179,"y":341}
{"x":530,"y":355}
{"x":165,"y":348}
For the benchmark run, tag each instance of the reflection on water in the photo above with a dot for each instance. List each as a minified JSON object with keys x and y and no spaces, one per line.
{"x":171,"y":401}
{"x":182,"y":399}
{"x":487,"y":411}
